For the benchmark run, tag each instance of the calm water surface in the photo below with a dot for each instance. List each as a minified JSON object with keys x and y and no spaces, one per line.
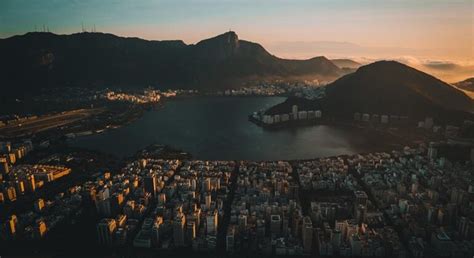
{"x":217,"y":128}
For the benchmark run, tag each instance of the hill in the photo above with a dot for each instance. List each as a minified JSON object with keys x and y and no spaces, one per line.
{"x":346,"y":63}
{"x":467,"y":84}
{"x":389,"y":87}
{"x":40,"y":60}
{"x":392,"y":88}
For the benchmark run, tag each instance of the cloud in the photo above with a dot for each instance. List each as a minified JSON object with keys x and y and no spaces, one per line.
{"x":441,"y":65}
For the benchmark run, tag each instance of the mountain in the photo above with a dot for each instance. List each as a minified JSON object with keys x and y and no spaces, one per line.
{"x":467,"y":84}
{"x":389,"y":87}
{"x":346,"y":63}
{"x":40,"y":60}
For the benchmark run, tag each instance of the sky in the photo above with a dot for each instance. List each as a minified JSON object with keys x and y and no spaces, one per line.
{"x":437,"y":35}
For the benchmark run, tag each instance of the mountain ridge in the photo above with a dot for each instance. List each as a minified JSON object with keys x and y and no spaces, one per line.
{"x":92,"y":59}
{"x":467,"y":84}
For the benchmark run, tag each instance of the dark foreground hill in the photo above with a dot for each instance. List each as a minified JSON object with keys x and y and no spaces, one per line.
{"x":391,"y":88}
{"x":40,"y":60}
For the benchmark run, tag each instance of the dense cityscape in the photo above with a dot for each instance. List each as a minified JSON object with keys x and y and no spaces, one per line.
{"x":237,"y":128}
{"x":407,"y":203}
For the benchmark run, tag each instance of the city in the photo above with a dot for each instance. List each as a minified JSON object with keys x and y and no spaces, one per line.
{"x":408,"y":203}
{"x":267,"y":128}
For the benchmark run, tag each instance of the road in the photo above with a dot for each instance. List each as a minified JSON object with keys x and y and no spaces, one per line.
{"x":47,"y":122}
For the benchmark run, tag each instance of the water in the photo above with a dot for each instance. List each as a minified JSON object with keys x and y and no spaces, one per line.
{"x":218,"y":128}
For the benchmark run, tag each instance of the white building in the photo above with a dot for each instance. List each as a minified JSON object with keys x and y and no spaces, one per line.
{"x":365,"y":117}
{"x":318,"y":113}
{"x":302,"y":115}
{"x":276,"y":119}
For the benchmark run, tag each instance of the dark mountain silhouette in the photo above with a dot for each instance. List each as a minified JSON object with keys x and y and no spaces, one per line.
{"x":346,"y":63}
{"x":392,"y":88}
{"x":40,"y":60}
{"x":389,"y":87}
{"x":467,"y":84}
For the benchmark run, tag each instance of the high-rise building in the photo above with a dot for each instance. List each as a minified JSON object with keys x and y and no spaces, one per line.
{"x":307,"y":234}
{"x":161,"y":198}
{"x":39,"y":205}
{"x":41,"y":228}
{"x":275,"y":225}
{"x":178,"y":229}
{"x":104,"y":208}
{"x":206,"y":185}
{"x":208,"y":201}
{"x":242,"y":222}
{"x":342,"y":227}
{"x":150,"y":183}
{"x":429,"y":123}
{"x":11,"y":193}
{"x":20,"y":187}
{"x":190,"y":231}
{"x":361,"y":198}
{"x":230,"y":239}
{"x":11,"y":225}
{"x":30,"y":183}
{"x":4,"y":167}
{"x":361,"y":214}
{"x":294,"y":112}
{"x":211,"y":223}
{"x":156,"y":230}
{"x":105,"y":231}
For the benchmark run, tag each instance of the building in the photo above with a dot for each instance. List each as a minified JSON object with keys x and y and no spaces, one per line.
{"x":4,"y":167}
{"x":357,"y":116}
{"x":11,"y":225}
{"x":178,"y":229}
{"x":39,"y":205}
{"x":11,"y":194}
{"x":361,"y":198}
{"x":211,"y":223}
{"x":242,"y":222}
{"x":302,"y":115}
{"x":365,"y":117}
{"x":276,"y":119}
{"x":150,"y":184}
{"x":307,"y":234}
{"x":105,"y":231}
{"x":156,"y":230}
{"x":190,"y":231}
{"x":318,"y":114}
{"x":41,"y":229}
{"x":275,"y":225}
{"x":31,"y":183}
{"x":428,"y":123}
{"x":230,"y":239}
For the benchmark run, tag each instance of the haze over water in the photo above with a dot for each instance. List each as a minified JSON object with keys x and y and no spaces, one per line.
{"x":217,"y":128}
